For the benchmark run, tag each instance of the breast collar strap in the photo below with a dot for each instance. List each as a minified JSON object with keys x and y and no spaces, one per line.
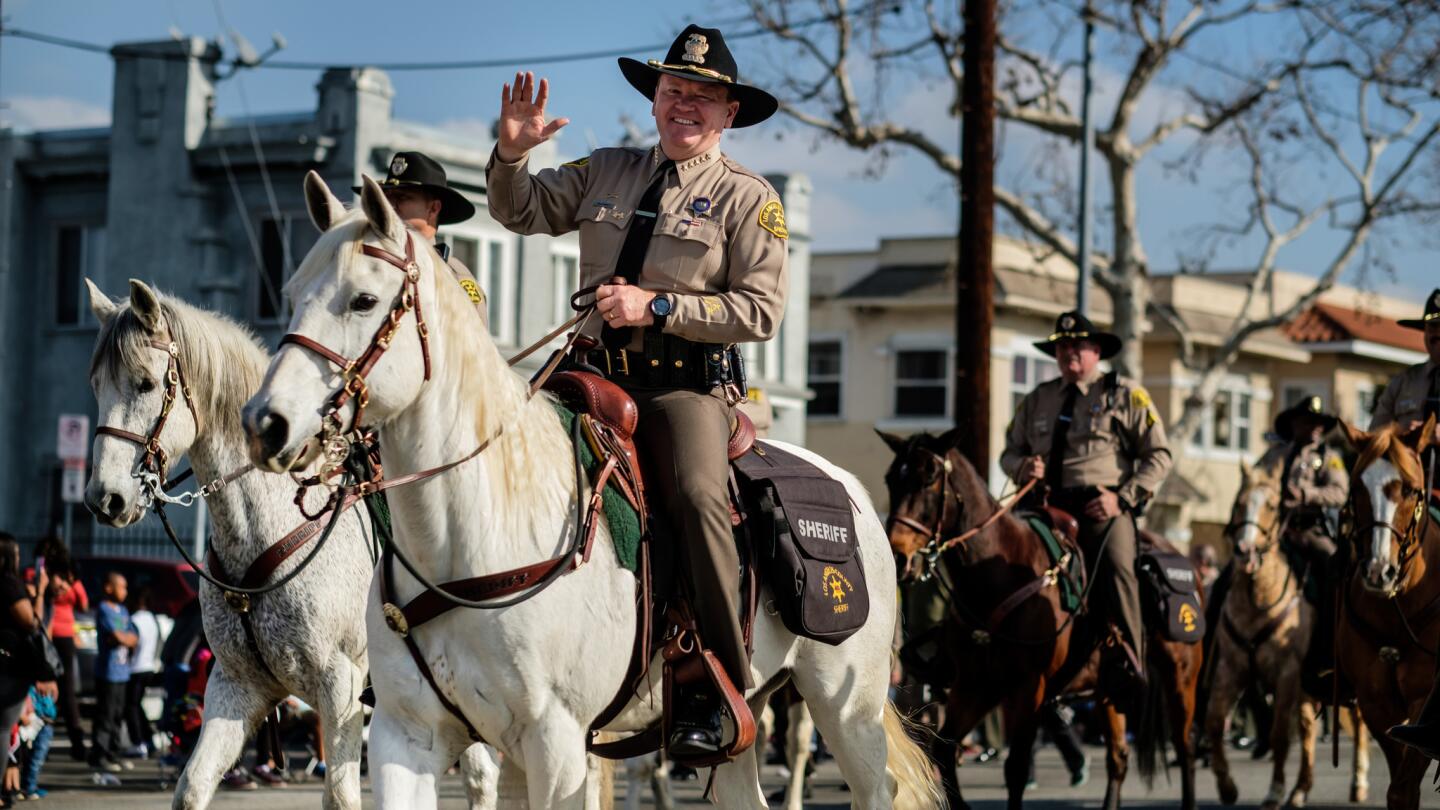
{"x":355,"y":371}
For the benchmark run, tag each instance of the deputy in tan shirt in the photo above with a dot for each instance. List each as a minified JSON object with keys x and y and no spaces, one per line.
{"x":689,"y":250}
{"x":1096,"y":442}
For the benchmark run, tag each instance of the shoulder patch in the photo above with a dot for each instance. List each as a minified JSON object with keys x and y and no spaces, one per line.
{"x":772,"y":219}
{"x":473,"y":290}
{"x":577,"y":163}
{"x":1139,"y":398}
{"x":1336,"y":463}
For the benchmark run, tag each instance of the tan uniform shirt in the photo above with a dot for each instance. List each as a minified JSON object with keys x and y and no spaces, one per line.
{"x":1403,"y":400}
{"x":1318,"y":477}
{"x":1116,"y":439}
{"x":723,"y":261}
{"x":471,"y":288}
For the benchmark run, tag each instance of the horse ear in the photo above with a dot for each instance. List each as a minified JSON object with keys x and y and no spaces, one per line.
{"x":1354,"y":435}
{"x":325,"y":209}
{"x":378,"y":210}
{"x":896,"y":443}
{"x":950,"y":439}
{"x":1244,"y":474}
{"x":100,"y":303}
{"x":146,"y":305}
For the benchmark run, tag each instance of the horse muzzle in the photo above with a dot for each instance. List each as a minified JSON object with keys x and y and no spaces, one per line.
{"x":1382,"y":577}
{"x":271,"y":442}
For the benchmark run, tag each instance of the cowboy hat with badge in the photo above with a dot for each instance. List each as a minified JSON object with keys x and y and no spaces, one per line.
{"x":1310,"y":408}
{"x":1074,"y":326}
{"x":1432,"y":313}
{"x":420,"y":171}
{"x":700,"y":55}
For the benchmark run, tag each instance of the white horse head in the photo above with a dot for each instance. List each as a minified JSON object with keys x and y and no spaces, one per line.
{"x":1390,"y":502}
{"x":132,"y":374}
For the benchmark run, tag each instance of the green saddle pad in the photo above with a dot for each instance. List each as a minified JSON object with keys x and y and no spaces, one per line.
{"x":620,"y":516}
{"x":1069,"y":595}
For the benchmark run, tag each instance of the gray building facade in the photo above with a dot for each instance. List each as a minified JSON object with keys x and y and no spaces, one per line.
{"x":212,"y":210}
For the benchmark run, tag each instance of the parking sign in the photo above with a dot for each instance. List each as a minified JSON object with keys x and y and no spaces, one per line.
{"x":73,"y":443}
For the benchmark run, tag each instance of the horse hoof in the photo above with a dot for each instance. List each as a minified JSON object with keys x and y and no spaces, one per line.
{"x":1297,"y":799}
{"x":1359,"y":794}
{"x":1228,"y":792}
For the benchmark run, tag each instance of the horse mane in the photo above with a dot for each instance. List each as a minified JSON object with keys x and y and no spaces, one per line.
{"x":1389,"y":444}
{"x":222,"y":360}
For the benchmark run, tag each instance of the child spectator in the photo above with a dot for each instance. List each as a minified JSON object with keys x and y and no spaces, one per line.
{"x":144,"y":664}
{"x":36,"y":733}
{"x":116,"y":638}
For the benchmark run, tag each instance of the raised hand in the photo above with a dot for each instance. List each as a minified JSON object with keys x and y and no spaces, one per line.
{"x":522,"y":119}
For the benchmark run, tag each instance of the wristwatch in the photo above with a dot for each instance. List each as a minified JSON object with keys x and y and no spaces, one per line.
{"x":661,"y":307}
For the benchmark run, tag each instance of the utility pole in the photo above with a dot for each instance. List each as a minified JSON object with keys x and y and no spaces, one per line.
{"x":1087,"y":137}
{"x":975,"y":280}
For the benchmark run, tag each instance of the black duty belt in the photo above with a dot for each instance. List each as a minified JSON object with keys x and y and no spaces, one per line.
{"x":668,"y":361}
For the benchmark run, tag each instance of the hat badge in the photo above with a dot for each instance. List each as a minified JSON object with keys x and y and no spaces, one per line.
{"x":398,"y":165}
{"x":1067,"y":323}
{"x":695,"y":48}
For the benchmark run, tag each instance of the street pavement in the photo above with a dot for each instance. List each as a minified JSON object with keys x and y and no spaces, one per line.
{"x":147,"y":787}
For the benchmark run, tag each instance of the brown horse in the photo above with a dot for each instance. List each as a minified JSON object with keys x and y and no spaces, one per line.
{"x":1264,"y":631}
{"x":1388,"y":635}
{"x":1016,"y":661}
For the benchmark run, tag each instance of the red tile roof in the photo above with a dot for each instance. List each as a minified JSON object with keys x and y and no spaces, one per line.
{"x":1327,"y":323}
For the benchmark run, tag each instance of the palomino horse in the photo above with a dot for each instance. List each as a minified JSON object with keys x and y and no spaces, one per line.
{"x":1388,"y":634}
{"x":1265,"y":628}
{"x":309,"y":634}
{"x":532,"y":675}
{"x":1016,"y":661}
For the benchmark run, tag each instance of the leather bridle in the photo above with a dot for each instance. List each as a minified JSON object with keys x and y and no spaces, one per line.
{"x":354,"y":372}
{"x":155,"y":461}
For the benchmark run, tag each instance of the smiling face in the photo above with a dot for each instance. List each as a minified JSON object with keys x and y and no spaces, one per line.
{"x":691,"y":116}
{"x":1077,"y":358}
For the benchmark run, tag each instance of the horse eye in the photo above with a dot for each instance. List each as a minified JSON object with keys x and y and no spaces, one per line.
{"x":364,"y":302}
{"x":145,"y":386}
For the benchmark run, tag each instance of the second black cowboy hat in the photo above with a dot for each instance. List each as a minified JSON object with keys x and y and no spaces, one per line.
{"x":1310,"y":406}
{"x":700,"y":55}
{"x":1432,"y":313}
{"x":1074,"y":326}
{"x":419,"y":170}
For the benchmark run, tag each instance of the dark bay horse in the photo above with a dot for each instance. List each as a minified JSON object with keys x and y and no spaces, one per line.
{"x":1017,"y":662}
{"x":1389,"y":631}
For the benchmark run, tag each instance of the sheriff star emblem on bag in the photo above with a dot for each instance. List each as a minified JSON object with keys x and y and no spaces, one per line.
{"x":695,"y":48}
{"x":398,"y":166}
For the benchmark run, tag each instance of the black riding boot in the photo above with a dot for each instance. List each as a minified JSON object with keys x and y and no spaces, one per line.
{"x":1424,"y":734}
{"x":696,"y":725}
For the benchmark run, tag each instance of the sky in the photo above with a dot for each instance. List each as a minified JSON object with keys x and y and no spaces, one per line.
{"x":855,"y":204}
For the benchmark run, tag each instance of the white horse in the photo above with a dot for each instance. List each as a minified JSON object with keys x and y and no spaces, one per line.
{"x":532,"y":677}
{"x":311,"y":631}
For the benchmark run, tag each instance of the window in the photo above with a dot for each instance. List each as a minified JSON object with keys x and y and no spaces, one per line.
{"x":567,"y":281}
{"x":826,"y":364}
{"x":1026,"y":372}
{"x":922,"y":383}
{"x":1228,"y":425}
{"x":79,"y":254}
{"x":283,"y":245}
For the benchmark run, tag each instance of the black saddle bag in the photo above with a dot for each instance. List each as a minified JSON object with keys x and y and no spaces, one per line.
{"x":804,"y":532}
{"x":1171,"y":595}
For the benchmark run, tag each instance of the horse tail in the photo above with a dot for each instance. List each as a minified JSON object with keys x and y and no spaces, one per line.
{"x":917,"y":787}
{"x":1154,"y":730}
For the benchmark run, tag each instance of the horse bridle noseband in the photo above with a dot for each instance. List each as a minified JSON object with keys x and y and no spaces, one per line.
{"x":354,"y":372}
{"x":154,"y":461}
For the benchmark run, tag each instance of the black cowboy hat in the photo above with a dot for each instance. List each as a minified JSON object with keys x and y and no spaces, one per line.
{"x":1074,"y":326}
{"x":1432,"y":313}
{"x":700,"y":55}
{"x":1311,"y":406}
{"x":419,"y":170}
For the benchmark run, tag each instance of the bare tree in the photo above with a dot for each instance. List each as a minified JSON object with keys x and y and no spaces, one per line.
{"x":1371,"y":58}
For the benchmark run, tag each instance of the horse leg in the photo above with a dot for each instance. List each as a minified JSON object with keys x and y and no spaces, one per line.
{"x":1180,"y":680}
{"x":964,"y":711}
{"x":342,"y":722}
{"x":555,"y":763}
{"x":1223,"y":691}
{"x":481,"y":774}
{"x":764,"y":730}
{"x":232,"y":713}
{"x":1117,"y":756}
{"x":797,"y":744}
{"x":1287,"y":701}
{"x":408,"y":753}
{"x":1360,"y":760}
{"x":1022,"y":722}
{"x":850,"y":713}
{"x":1308,"y":730}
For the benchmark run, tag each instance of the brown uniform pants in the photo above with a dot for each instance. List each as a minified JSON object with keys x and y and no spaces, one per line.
{"x":683,"y":437}
{"x":1115,"y":593}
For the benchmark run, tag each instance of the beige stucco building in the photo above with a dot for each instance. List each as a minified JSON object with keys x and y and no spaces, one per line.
{"x":882,"y":351}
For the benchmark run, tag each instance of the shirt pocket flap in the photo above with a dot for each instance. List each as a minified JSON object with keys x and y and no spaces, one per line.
{"x":705,"y":231}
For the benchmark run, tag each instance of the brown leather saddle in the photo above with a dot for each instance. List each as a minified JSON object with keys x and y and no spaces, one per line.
{"x":609,"y":420}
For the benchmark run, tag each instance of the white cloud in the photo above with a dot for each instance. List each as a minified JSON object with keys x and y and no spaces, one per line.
{"x":52,"y":112}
